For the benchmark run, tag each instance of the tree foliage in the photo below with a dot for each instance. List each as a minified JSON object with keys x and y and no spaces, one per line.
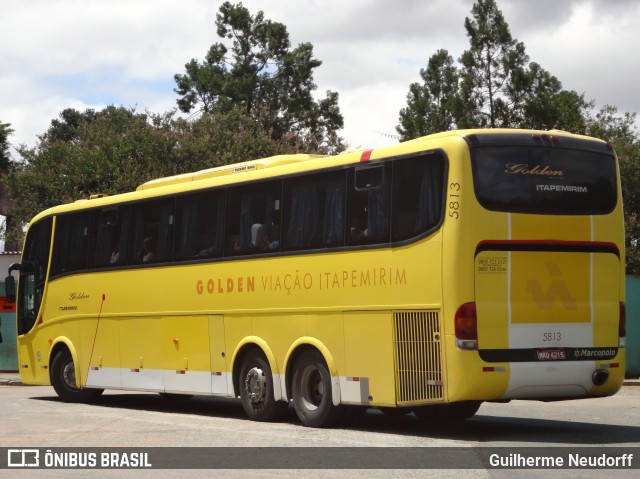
{"x":115,"y":149}
{"x":5,"y":156}
{"x":494,"y":85}
{"x":254,"y":96}
{"x":263,"y":75}
{"x":621,"y":132}
{"x":491,"y":68}
{"x":430,"y":105}
{"x":10,"y":229}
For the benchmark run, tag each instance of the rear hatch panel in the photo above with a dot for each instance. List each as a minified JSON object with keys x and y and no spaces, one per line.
{"x":549,"y":309}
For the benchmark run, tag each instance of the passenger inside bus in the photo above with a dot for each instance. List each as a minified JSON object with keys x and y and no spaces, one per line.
{"x":149,"y":249}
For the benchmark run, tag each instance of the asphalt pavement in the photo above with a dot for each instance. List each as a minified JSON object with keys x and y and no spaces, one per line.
{"x":13,"y":379}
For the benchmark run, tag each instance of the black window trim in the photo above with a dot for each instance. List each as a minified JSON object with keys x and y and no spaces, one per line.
{"x":498,"y":140}
{"x":280,"y":253}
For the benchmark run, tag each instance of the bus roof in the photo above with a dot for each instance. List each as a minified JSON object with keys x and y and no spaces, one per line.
{"x":231,"y":169}
{"x":223,"y":174}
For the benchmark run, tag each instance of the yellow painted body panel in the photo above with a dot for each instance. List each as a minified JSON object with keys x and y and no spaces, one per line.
{"x":467,"y":381}
{"x":491,"y":298}
{"x":141,"y":342}
{"x":362,"y":330}
{"x":217,"y":351}
{"x":550,"y":287}
{"x":182,"y":324}
{"x":185,"y":343}
{"x":103,"y":353}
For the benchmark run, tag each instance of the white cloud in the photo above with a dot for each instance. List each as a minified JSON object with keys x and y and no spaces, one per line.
{"x":594,"y":52}
{"x":56,"y":54}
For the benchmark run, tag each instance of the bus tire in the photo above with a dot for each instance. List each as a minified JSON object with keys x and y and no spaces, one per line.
{"x":312,"y":393}
{"x":445,"y":413}
{"x":256,"y":389}
{"x":63,"y":380}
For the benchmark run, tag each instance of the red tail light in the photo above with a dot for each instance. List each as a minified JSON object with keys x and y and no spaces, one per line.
{"x":466,"y":326}
{"x":622,"y":324}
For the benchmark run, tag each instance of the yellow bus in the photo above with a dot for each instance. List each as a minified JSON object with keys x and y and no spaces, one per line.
{"x":429,"y":276}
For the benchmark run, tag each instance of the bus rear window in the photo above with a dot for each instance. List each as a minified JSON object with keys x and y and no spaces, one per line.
{"x":544,"y":180}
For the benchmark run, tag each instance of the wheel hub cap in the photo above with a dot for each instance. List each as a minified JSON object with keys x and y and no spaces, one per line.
{"x":255,"y":384}
{"x":69,"y":375}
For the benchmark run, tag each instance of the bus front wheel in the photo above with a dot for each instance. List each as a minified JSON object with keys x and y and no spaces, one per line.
{"x":63,"y":380}
{"x":256,"y":389}
{"x":312,"y":393}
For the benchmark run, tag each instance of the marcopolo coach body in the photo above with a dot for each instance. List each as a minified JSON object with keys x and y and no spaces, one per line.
{"x":428,"y":276}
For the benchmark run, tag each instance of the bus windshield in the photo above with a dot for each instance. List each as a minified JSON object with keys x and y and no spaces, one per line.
{"x":35,"y":259}
{"x":544,"y":180}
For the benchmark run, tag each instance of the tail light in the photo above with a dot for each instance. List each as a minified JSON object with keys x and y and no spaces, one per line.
{"x":622,"y":325}
{"x":466,"y":326}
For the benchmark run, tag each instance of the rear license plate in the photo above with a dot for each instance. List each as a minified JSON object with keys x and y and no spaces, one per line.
{"x":551,"y":354}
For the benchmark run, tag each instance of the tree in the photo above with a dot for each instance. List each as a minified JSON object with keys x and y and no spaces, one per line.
{"x":217,"y":139}
{"x":430,"y":105}
{"x":80,"y":154}
{"x":265,"y":77}
{"x":10,"y":229}
{"x":489,"y":66}
{"x":495,"y":85}
{"x":5,"y":156}
{"x":622,"y":133}
{"x":115,"y":149}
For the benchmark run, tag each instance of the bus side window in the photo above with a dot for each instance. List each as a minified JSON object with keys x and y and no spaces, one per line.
{"x":417,"y":195}
{"x":253,"y":219}
{"x":200,"y":225}
{"x":368,"y":205}
{"x":334,"y":211}
{"x":71,"y":243}
{"x":152,"y":232}
{"x":110,"y":229}
{"x":314,"y":211}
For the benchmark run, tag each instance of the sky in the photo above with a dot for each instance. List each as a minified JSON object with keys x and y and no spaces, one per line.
{"x":57,"y":54}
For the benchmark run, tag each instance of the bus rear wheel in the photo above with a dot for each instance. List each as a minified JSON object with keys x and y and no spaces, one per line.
{"x":312,"y":392}
{"x":444,"y":413}
{"x":63,"y":380}
{"x":256,"y":389}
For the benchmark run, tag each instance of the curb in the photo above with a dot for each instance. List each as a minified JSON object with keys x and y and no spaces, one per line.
{"x":11,"y":382}
{"x":10,"y":378}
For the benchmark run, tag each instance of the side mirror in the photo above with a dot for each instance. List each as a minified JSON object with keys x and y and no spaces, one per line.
{"x":10,"y":289}
{"x":10,"y":284}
